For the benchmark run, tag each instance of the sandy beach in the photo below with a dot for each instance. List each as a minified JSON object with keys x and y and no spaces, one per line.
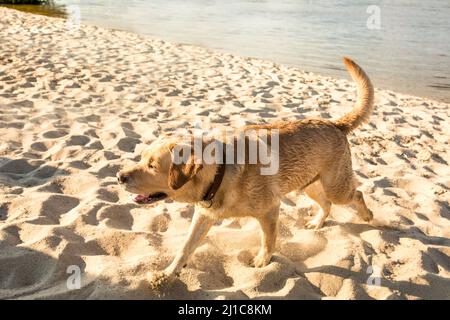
{"x":76,"y":104}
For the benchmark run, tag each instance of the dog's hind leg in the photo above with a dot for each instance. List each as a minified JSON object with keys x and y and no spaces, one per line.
{"x":315,"y":192}
{"x":361,"y":208}
{"x":339,"y":185}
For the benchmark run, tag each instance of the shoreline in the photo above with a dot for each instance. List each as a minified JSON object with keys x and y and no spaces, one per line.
{"x":333,"y":75}
{"x":77,"y":106}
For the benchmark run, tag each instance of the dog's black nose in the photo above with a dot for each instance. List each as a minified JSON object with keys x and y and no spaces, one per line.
{"x":122,"y":178}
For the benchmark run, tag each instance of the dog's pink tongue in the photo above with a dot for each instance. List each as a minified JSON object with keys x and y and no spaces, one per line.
{"x":140,"y":197}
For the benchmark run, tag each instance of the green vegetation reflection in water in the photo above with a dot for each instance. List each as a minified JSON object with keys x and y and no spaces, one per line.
{"x":42,"y":7}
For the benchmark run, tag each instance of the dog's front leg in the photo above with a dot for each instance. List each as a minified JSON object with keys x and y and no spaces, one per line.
{"x":200,"y":226}
{"x":269,"y":226}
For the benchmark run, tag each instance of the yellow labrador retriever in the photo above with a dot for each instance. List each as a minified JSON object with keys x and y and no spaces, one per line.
{"x":313,"y":156}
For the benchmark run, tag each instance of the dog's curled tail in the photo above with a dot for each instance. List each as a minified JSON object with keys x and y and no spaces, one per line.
{"x":364,"y":106}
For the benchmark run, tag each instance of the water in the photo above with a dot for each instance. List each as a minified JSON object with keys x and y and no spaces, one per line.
{"x":409,"y":54}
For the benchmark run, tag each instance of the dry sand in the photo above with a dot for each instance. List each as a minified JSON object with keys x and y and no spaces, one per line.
{"x":76,"y":105}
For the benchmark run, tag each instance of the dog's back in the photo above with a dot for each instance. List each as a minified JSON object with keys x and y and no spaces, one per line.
{"x":310,"y":147}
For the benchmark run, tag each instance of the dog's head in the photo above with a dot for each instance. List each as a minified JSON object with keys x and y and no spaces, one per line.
{"x":157,"y":176}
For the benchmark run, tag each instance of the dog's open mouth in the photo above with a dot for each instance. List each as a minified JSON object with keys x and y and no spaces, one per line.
{"x":149,"y":198}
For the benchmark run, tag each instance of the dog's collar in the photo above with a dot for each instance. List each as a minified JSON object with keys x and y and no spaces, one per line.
{"x":215,"y":185}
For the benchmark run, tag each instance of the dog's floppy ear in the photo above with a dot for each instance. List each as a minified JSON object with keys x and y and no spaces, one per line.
{"x":181,"y":173}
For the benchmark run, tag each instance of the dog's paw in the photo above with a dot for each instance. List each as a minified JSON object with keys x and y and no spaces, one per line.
{"x":315,"y":223}
{"x":159,"y":280}
{"x":366,"y":215}
{"x":369,"y":216}
{"x":261,"y":260}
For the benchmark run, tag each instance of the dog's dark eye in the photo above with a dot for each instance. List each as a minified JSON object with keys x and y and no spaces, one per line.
{"x":151,"y":166}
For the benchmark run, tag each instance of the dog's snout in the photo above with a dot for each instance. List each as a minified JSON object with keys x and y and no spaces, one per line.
{"x":122,"y":178}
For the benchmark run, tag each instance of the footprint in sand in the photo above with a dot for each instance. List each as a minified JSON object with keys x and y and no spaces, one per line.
{"x":10,"y":235}
{"x":245,"y":257}
{"x":77,"y":140}
{"x":109,"y":170}
{"x":187,"y":212}
{"x":211,"y":263}
{"x":117,"y":216}
{"x":42,"y":146}
{"x":438,"y":158}
{"x":383,"y":183}
{"x":96,"y":145}
{"x":57,"y":205}
{"x":9,"y":124}
{"x":78,"y":164}
{"x":20,"y":166}
{"x":428,"y":263}
{"x":108,"y":194}
{"x":110,"y":155}
{"x":75,"y":185}
{"x":125,"y":244}
{"x":46,"y":209}
{"x":45,"y":172}
{"x":25,"y":268}
{"x":440,"y":257}
{"x":91,"y":118}
{"x":4,"y":211}
{"x":160,"y":223}
{"x":127,"y":144}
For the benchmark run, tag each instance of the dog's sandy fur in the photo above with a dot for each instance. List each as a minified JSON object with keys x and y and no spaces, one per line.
{"x":308,"y":149}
